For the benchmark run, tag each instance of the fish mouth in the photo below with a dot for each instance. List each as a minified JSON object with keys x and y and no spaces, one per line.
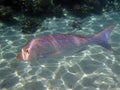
{"x":19,"y":56}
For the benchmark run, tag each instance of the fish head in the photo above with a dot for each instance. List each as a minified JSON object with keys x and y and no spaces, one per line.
{"x":27,"y":53}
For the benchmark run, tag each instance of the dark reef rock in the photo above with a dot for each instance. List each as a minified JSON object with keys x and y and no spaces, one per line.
{"x":6,"y":15}
{"x":50,"y":8}
{"x":5,"y":12}
{"x":29,"y":25}
{"x":112,"y":5}
{"x":82,"y":7}
{"x":35,"y":7}
{"x":54,"y":7}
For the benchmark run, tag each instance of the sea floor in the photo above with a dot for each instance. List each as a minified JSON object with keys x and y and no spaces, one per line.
{"x":92,"y":69}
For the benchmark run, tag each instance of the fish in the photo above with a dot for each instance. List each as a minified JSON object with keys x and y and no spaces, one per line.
{"x":59,"y":45}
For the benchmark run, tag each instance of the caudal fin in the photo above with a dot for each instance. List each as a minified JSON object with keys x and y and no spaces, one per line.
{"x":102,"y":37}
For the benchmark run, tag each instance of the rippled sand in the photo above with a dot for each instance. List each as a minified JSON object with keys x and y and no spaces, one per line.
{"x":93,"y":69}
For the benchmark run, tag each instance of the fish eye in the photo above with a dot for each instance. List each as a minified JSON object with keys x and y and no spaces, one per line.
{"x":27,"y":51}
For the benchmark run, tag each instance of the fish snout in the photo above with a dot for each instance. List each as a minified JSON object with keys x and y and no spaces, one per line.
{"x":19,"y":56}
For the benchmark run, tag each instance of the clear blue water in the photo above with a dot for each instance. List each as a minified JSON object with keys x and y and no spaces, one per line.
{"x":93,"y":69}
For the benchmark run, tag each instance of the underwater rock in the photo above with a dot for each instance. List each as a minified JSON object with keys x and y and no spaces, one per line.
{"x":82,"y":7}
{"x":29,"y":25}
{"x":2,"y":1}
{"x":33,"y":7}
{"x":5,"y":13}
{"x":54,"y":7}
{"x":47,"y":8}
{"x":112,"y":5}
{"x":37,"y":7}
{"x":87,"y":7}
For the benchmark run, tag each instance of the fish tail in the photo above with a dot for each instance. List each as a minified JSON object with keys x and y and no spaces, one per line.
{"x":102,"y":37}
